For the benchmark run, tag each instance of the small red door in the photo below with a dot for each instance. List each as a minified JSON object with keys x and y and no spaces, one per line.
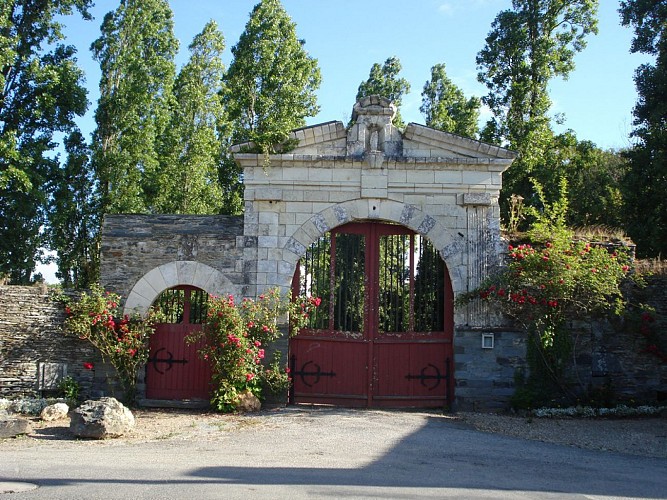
{"x":175,"y":371}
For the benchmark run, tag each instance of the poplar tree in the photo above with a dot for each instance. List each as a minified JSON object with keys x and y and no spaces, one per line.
{"x":188,"y":181}
{"x":528,"y":46}
{"x":645,"y":184}
{"x":271,"y":82}
{"x":270,"y":90}
{"x":384,"y":81}
{"x":41,"y":93}
{"x":445,"y":107}
{"x":136,"y":52}
{"x":73,"y":220}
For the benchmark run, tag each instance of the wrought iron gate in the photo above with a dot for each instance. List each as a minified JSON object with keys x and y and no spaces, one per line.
{"x":382,"y":335}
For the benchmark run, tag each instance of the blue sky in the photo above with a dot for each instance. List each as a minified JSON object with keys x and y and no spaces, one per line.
{"x":348,"y":36}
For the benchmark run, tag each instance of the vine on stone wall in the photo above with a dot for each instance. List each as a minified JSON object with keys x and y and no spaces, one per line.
{"x":551,"y":278}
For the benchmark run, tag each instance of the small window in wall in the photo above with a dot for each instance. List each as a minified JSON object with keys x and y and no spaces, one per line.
{"x":183,"y":305}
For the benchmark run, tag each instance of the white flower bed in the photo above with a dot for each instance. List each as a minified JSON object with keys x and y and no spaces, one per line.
{"x":588,"y":411}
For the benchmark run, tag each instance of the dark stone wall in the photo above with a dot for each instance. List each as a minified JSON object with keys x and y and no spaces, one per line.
{"x":133,"y":245}
{"x":611,"y":354}
{"x":35,"y":353}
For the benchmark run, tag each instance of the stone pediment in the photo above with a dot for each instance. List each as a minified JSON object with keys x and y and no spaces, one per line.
{"x":372,"y":133}
{"x":422,"y":141}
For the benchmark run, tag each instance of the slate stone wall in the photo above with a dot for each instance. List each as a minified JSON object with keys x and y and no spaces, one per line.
{"x":35,"y":354}
{"x":484,"y":377}
{"x":609,"y":358}
{"x":133,"y":245}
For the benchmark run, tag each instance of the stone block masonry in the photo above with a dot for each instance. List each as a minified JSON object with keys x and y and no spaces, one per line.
{"x":35,"y":353}
{"x":143,"y":255}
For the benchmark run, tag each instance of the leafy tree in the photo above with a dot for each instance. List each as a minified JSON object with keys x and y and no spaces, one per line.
{"x":73,"y":223}
{"x":271,"y":81}
{"x":384,"y":81}
{"x":41,"y":94}
{"x":446,"y":108}
{"x":646,"y":180}
{"x":270,"y":90}
{"x":594,"y":174}
{"x":527,"y":47}
{"x":187,"y":181}
{"x":136,"y":54}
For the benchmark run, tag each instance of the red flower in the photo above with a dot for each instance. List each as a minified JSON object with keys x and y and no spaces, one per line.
{"x":316,"y":301}
{"x":88,"y":366}
{"x":249,"y":376}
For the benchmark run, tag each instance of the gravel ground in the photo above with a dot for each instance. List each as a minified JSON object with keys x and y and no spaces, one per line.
{"x":636,"y":436}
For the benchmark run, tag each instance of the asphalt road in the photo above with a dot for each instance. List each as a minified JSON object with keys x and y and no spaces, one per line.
{"x":329,"y":453}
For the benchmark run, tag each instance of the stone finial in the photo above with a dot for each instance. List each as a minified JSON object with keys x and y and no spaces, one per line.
{"x":372,"y":131}
{"x":374,"y":105}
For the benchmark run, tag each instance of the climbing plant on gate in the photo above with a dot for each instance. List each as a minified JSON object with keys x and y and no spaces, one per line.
{"x":236,"y":337}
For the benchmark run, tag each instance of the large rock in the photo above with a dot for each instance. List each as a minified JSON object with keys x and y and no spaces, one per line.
{"x":12,"y":426}
{"x":101,"y":419}
{"x":56,"y":411}
{"x":248,"y":402}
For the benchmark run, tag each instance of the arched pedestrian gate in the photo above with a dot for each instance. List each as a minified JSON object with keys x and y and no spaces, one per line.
{"x":175,"y":371}
{"x":382,"y":335}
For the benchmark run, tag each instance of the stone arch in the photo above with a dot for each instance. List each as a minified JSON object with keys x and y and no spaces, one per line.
{"x":175,"y":273}
{"x":449,"y":245}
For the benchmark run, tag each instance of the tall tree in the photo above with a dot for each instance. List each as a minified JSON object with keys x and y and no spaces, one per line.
{"x":595,"y":175}
{"x":73,"y":219}
{"x":136,"y":54}
{"x":527,"y":47}
{"x":271,"y":82}
{"x":445,"y":107}
{"x":270,"y":90}
{"x":384,"y":81}
{"x":188,"y":182}
{"x":41,"y":94}
{"x":646,"y":181}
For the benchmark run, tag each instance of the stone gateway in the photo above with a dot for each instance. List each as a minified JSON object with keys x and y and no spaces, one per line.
{"x":387,"y":226}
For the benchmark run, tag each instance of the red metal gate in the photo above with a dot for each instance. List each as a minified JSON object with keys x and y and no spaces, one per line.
{"x":383,"y":333}
{"x":175,"y":370}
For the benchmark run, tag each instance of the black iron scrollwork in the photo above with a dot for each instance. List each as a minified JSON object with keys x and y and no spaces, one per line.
{"x":432,"y":374}
{"x":317,"y":373}
{"x":169,"y":361}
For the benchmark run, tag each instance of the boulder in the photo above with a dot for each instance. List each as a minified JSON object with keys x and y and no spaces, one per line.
{"x":248,"y":402}
{"x":56,"y":411}
{"x":101,"y":419}
{"x":12,"y":425}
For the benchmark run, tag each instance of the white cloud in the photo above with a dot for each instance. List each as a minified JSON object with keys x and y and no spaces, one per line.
{"x":446,"y":9}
